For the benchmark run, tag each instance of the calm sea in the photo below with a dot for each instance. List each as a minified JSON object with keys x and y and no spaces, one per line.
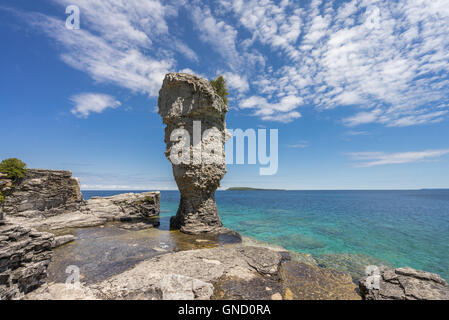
{"x":401,"y":228}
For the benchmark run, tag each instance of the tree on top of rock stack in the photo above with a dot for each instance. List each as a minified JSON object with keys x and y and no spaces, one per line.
{"x":220,"y":87}
{"x":190,"y":105}
{"x":13,"y":168}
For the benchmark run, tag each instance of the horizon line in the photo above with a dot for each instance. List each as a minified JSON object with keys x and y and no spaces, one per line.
{"x":275,"y":189}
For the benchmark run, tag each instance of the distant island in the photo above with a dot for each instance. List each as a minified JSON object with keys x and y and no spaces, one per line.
{"x":252,"y":189}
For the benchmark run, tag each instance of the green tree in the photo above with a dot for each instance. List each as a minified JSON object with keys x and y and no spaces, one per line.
{"x":13,"y":167}
{"x":220,"y":87}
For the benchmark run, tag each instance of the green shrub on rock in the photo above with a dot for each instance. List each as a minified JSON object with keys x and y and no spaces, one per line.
{"x":2,"y":198}
{"x":13,"y":167}
{"x":220,"y":87}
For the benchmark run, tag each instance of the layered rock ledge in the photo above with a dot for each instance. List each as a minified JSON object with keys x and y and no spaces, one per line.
{"x":43,"y":193}
{"x":50,"y":200}
{"x":231,"y":272}
{"x":97,"y":211}
{"x":404,"y":284}
{"x":24,"y":258}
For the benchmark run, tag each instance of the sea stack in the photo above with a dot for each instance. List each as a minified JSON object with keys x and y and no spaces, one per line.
{"x":195,"y":134}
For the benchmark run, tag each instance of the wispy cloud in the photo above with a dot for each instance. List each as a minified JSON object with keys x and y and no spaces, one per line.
{"x":126,"y":43}
{"x":221,"y":35}
{"x":300,"y":145}
{"x":357,"y":133}
{"x":87,"y":103}
{"x":389,"y":58}
{"x":236,"y":82}
{"x":371,"y":159}
{"x":281,"y":111}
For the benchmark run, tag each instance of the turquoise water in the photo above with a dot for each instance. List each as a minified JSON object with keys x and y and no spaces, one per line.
{"x":401,"y":228}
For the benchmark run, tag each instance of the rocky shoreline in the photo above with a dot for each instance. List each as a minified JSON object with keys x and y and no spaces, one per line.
{"x":43,"y":208}
{"x":234,"y":269}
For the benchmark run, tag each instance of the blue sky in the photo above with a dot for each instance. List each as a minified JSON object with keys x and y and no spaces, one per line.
{"x":359,"y":90}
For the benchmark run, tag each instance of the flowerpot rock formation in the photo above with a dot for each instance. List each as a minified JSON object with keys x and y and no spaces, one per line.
{"x":195,"y":134}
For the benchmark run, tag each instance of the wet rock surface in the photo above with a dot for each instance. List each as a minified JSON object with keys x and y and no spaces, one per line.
{"x":181,"y":275}
{"x":308,"y":282}
{"x":353,"y":264}
{"x":404,"y":284}
{"x":108,"y":250}
{"x":184,"y":101}
{"x":24,"y":257}
{"x":222,"y":271}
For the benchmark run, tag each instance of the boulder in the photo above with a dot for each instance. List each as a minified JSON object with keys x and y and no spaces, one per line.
{"x":62,"y":240}
{"x":190,"y":104}
{"x":403,"y":284}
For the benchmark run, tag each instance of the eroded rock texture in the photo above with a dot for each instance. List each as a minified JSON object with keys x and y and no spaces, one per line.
{"x":5,"y":186}
{"x":404,"y":284}
{"x":97,"y":211}
{"x":232,"y":272}
{"x":24,"y":258}
{"x":43,"y":193}
{"x":183,"y":101}
{"x":126,"y":206}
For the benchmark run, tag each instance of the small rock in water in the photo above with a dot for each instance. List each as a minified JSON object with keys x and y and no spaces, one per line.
{"x":61,"y":240}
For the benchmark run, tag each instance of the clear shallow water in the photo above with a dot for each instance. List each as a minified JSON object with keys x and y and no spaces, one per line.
{"x":401,"y":228}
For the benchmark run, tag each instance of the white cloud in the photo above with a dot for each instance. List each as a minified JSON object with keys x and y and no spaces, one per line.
{"x":217,"y":33}
{"x":389,"y":58}
{"x":281,"y":111}
{"x":361,"y":118}
{"x":371,"y":159}
{"x":300,"y":145}
{"x":87,"y":103}
{"x":357,"y":133}
{"x":236,"y":82}
{"x":282,"y":117}
{"x":126,"y":43}
{"x":125,"y":23}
